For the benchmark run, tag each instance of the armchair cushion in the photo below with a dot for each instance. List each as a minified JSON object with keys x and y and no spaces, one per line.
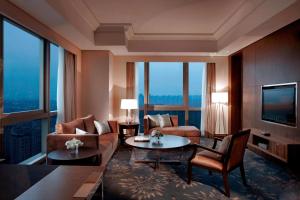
{"x":223,"y":148}
{"x":210,"y":154}
{"x":70,"y":127}
{"x":207,"y":162}
{"x":89,"y":123}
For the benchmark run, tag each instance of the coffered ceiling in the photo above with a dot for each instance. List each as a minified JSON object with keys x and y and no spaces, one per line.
{"x":156,"y":27}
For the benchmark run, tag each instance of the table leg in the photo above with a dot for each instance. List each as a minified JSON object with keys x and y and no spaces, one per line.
{"x":122,"y":135}
{"x":136,"y":130}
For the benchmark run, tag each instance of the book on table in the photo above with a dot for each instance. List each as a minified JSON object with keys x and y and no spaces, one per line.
{"x":141,"y":138}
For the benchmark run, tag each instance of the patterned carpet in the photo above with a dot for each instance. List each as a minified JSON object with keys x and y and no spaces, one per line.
{"x":125,"y":179}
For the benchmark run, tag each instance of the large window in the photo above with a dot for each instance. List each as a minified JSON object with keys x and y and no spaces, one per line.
{"x":165,"y":83}
{"x":170,"y":87}
{"x":29,"y":113}
{"x":22,"y":71}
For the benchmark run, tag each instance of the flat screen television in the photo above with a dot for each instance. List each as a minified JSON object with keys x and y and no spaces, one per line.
{"x":279,"y":103}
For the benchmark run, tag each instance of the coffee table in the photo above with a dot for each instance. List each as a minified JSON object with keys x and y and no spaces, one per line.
{"x":167,"y":142}
{"x":65,"y":156}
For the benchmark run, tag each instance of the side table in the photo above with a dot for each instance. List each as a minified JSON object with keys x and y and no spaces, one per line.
{"x":125,"y":125}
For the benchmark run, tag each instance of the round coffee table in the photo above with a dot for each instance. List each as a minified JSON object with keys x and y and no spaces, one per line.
{"x":65,"y":156}
{"x":167,"y":142}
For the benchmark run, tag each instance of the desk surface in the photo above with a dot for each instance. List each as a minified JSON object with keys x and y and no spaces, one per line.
{"x":62,"y":183}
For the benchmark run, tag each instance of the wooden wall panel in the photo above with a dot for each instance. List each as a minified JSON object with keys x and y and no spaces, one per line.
{"x":271,"y":60}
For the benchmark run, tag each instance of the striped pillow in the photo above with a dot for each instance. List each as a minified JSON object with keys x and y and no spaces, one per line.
{"x":165,"y":121}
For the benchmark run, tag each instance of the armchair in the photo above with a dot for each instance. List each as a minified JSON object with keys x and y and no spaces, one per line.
{"x":226,"y":158}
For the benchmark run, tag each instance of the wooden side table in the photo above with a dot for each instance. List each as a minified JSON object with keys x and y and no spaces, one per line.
{"x":124,"y":125}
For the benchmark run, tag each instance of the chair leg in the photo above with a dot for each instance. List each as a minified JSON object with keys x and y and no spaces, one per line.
{"x":242,"y":169}
{"x":226,"y":184}
{"x":189,"y":173}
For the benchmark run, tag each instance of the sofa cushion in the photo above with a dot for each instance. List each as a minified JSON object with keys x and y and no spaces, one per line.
{"x":153,"y":121}
{"x":70,"y":127}
{"x":164,"y":121}
{"x":102,"y":127}
{"x":184,"y":131}
{"x":89,"y":123}
{"x":80,"y":132}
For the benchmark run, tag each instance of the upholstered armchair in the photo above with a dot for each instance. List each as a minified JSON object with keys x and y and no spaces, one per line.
{"x":228,"y":156}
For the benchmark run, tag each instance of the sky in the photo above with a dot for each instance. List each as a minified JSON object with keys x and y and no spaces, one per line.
{"x":23,"y":65}
{"x":168,"y":79}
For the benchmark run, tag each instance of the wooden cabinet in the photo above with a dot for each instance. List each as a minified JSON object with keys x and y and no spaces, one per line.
{"x":280,"y":148}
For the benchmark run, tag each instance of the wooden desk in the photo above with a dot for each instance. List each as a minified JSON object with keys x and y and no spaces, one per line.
{"x":66,"y":182}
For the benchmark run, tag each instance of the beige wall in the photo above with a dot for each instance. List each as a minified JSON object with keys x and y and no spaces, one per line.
{"x":95,"y":83}
{"x":118,"y":77}
{"x":19,"y":16}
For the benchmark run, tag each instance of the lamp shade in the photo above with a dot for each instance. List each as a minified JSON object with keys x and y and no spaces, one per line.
{"x":219,"y":97}
{"x":129,"y":104}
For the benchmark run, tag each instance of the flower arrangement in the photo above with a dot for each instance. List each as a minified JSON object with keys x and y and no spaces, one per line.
{"x":73,"y":144}
{"x":157,"y":134}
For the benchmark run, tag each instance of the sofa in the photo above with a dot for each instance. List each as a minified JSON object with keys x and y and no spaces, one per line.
{"x":105,"y":143}
{"x":191,"y":132}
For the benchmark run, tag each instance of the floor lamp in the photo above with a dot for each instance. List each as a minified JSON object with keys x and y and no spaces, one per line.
{"x":220,"y":99}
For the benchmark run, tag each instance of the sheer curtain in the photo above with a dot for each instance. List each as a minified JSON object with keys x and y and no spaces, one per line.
{"x":208,"y":115}
{"x":66,"y":86}
{"x":60,"y":86}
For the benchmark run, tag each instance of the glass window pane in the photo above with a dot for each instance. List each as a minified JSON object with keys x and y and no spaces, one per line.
{"x":53,"y":76}
{"x":140,"y":82}
{"x":53,"y":123}
{"x":195,"y":83}
{"x":22,"y":73}
{"x":195,"y":118}
{"x":22,"y":141}
{"x":166,"y":83}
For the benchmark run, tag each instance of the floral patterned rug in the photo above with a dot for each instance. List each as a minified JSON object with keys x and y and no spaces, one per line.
{"x":125,"y":179}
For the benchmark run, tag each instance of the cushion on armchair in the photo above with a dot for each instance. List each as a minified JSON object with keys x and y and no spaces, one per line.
{"x":70,"y":127}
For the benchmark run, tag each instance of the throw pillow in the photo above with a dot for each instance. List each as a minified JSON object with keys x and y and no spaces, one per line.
{"x":80,"y":132}
{"x":165,"y":121}
{"x":154,"y":120}
{"x":89,"y":123}
{"x":223,"y":148}
{"x":69,"y":127}
{"x":102,"y":127}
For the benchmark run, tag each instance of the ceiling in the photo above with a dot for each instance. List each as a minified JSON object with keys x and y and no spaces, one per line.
{"x":163,"y":27}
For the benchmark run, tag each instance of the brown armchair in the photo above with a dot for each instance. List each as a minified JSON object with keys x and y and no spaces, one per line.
{"x":226,"y":158}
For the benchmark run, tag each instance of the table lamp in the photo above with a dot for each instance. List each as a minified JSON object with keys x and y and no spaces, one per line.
{"x":220,"y":99}
{"x":129,"y":104}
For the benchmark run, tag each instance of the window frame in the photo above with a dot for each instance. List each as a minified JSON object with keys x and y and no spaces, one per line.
{"x":152,"y":107}
{"x":42,"y":113}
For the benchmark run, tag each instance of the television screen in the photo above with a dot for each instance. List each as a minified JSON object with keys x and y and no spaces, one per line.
{"x":279,"y":104}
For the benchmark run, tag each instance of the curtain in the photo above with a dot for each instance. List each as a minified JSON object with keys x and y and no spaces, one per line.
{"x":130,"y":85}
{"x":60,"y":87}
{"x":69,"y":86}
{"x":209,"y":114}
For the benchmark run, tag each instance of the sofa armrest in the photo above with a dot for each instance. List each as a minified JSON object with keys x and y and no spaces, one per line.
{"x":146,"y":124}
{"x":174,"y":120}
{"x":57,"y":141}
{"x":113,"y":126}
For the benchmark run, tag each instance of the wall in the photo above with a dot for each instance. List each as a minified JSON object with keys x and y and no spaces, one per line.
{"x":272,"y":60}
{"x":118,"y":76}
{"x":95,"y":83}
{"x":19,"y":16}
